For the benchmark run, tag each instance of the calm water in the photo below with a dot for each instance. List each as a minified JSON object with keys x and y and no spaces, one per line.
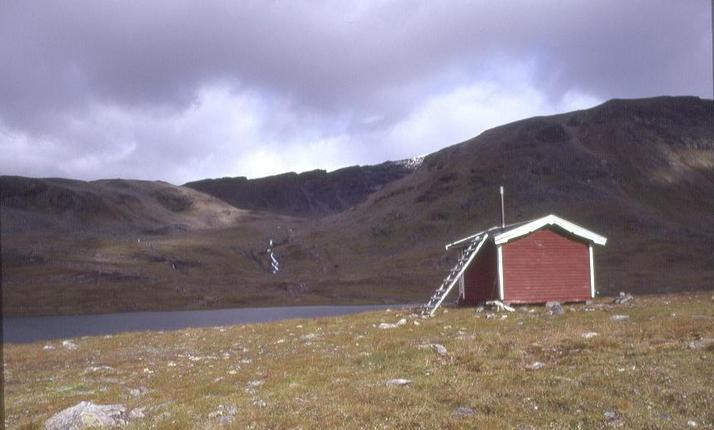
{"x":30,"y":329}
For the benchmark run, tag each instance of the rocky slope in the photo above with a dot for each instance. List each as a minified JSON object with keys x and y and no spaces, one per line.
{"x":306,"y":194}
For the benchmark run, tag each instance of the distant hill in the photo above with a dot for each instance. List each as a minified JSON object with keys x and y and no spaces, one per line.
{"x":61,"y":204}
{"x":640,"y":172}
{"x":306,"y":194}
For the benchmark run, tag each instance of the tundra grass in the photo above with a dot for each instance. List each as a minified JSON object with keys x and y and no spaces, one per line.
{"x":644,"y":371}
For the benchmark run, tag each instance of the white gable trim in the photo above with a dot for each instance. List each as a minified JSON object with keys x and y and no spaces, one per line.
{"x":501,"y":294}
{"x":549,"y":220}
{"x":592,"y":271}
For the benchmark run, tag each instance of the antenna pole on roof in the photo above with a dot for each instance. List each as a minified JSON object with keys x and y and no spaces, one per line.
{"x":503,"y":212}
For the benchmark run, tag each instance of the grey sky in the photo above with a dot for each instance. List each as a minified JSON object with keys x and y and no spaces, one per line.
{"x":185,"y":90}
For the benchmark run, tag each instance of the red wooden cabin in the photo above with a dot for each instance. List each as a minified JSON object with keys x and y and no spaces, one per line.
{"x":533,"y":262}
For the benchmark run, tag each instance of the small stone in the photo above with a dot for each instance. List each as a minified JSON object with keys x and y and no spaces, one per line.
{"x":136,"y":413}
{"x":536,"y":365}
{"x":136,"y":392}
{"x":691,"y":423}
{"x":385,"y":326}
{"x":255,"y":384}
{"x":309,"y":336}
{"x":48,"y":347}
{"x":554,"y":308}
{"x":398,"y":382}
{"x":462,"y":412}
{"x":619,"y":317}
{"x":437,"y":347}
{"x":589,"y":335}
{"x":701,"y":343}
{"x":623,"y":298}
{"x":498,"y":306}
{"x":479,"y":309}
{"x":613,"y":419}
{"x":68,"y":344}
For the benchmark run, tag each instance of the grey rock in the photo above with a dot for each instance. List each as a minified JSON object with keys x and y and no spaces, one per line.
{"x":462,"y":412}
{"x":619,"y":317}
{"x":613,"y":419}
{"x":701,"y":343}
{"x":256,"y":383}
{"x":136,"y":392}
{"x":68,"y":344}
{"x":136,"y":413}
{"x":554,"y":308}
{"x":225,"y":414}
{"x":623,"y":298}
{"x":385,"y":326}
{"x":498,"y":306}
{"x":437,"y":347}
{"x":87,"y":415}
{"x":309,"y":336}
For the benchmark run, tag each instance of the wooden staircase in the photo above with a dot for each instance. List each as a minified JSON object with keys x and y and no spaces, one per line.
{"x":455,"y":273}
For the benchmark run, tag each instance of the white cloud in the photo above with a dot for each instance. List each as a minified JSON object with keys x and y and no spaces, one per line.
{"x":182,"y":90}
{"x":230,"y":132}
{"x":468,"y":110}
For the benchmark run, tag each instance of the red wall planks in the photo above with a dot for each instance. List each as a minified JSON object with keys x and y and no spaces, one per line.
{"x":543,"y":266}
{"x":481,"y":278}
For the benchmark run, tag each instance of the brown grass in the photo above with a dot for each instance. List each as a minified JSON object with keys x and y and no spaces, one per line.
{"x":331,"y":372}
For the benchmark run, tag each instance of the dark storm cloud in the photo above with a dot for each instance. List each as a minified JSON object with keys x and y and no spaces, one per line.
{"x":103,"y":80}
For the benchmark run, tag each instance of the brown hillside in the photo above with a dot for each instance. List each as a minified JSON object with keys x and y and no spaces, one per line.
{"x":640,"y":172}
{"x":312,"y":193}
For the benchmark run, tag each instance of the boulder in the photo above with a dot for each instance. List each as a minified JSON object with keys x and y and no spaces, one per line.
{"x":88,"y":415}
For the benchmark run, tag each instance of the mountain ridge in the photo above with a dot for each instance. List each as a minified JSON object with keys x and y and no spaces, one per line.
{"x":640,"y":172}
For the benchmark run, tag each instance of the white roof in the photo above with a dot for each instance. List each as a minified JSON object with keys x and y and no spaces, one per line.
{"x":517,"y":230}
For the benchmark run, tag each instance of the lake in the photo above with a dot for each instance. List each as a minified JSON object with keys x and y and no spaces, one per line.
{"x":31,"y":329}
